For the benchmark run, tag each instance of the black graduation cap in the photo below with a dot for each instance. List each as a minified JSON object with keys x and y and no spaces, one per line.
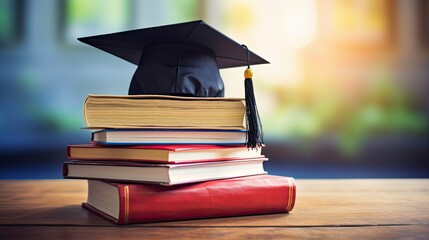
{"x":183,"y":59}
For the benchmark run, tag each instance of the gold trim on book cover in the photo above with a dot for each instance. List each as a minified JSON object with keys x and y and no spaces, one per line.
{"x":291,"y":186}
{"x":288,"y":195}
{"x":127,"y":203}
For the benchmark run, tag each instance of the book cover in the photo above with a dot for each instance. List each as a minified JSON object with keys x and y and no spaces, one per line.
{"x":161,"y":153}
{"x":140,"y":203}
{"x":161,"y":111}
{"x":168,"y":136}
{"x":166,"y":174}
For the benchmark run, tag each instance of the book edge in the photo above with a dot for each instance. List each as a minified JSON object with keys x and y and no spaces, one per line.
{"x":154,"y":96}
{"x":100,"y":213}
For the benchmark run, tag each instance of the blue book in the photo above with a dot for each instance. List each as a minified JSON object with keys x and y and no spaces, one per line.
{"x":168,"y":136}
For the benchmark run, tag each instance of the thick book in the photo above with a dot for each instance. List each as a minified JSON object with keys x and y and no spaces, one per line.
{"x":164,"y":174}
{"x":124,"y":203}
{"x":168,"y":136}
{"x":162,"y":111}
{"x":161,"y":153}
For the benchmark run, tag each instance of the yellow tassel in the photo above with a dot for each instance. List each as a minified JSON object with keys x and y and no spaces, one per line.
{"x":248,"y":73}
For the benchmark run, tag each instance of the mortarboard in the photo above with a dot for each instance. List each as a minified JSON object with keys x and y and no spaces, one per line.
{"x":183,"y":59}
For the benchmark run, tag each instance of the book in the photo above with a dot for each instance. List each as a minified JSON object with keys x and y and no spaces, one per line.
{"x":161,"y":153}
{"x":162,"y":111}
{"x":124,"y":203}
{"x":168,"y":136}
{"x":165,"y":174}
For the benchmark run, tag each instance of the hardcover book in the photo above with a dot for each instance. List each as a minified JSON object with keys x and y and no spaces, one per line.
{"x":161,"y":153}
{"x":166,"y":174}
{"x":124,"y":203}
{"x":162,"y":111}
{"x":168,"y":136}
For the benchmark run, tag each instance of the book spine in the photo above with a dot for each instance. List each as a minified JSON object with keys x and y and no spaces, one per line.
{"x":124,"y":206}
{"x":68,"y":152}
{"x":224,"y":198}
{"x":92,"y":138}
{"x":85,"y":103}
{"x":65,"y":170}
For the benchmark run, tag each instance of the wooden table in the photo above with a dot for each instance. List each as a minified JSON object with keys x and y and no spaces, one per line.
{"x":340,"y":209}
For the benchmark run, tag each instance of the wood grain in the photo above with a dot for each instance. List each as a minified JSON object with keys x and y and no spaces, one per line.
{"x":260,"y":233}
{"x":382,"y":208}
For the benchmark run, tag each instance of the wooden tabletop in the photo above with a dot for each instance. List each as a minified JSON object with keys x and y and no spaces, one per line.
{"x":340,"y":209}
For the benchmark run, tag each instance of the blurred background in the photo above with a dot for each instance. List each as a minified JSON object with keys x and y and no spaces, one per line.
{"x":345,"y":95}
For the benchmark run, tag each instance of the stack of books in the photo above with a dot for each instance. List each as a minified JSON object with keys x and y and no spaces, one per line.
{"x":162,"y":158}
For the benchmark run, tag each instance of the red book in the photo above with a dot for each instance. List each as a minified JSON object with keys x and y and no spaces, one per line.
{"x":139,"y":203}
{"x":161,"y":153}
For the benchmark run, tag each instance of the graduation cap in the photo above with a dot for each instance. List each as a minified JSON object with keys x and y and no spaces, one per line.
{"x":184,"y":59}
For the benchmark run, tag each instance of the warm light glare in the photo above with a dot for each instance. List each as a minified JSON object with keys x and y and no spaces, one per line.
{"x":300,"y":22}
